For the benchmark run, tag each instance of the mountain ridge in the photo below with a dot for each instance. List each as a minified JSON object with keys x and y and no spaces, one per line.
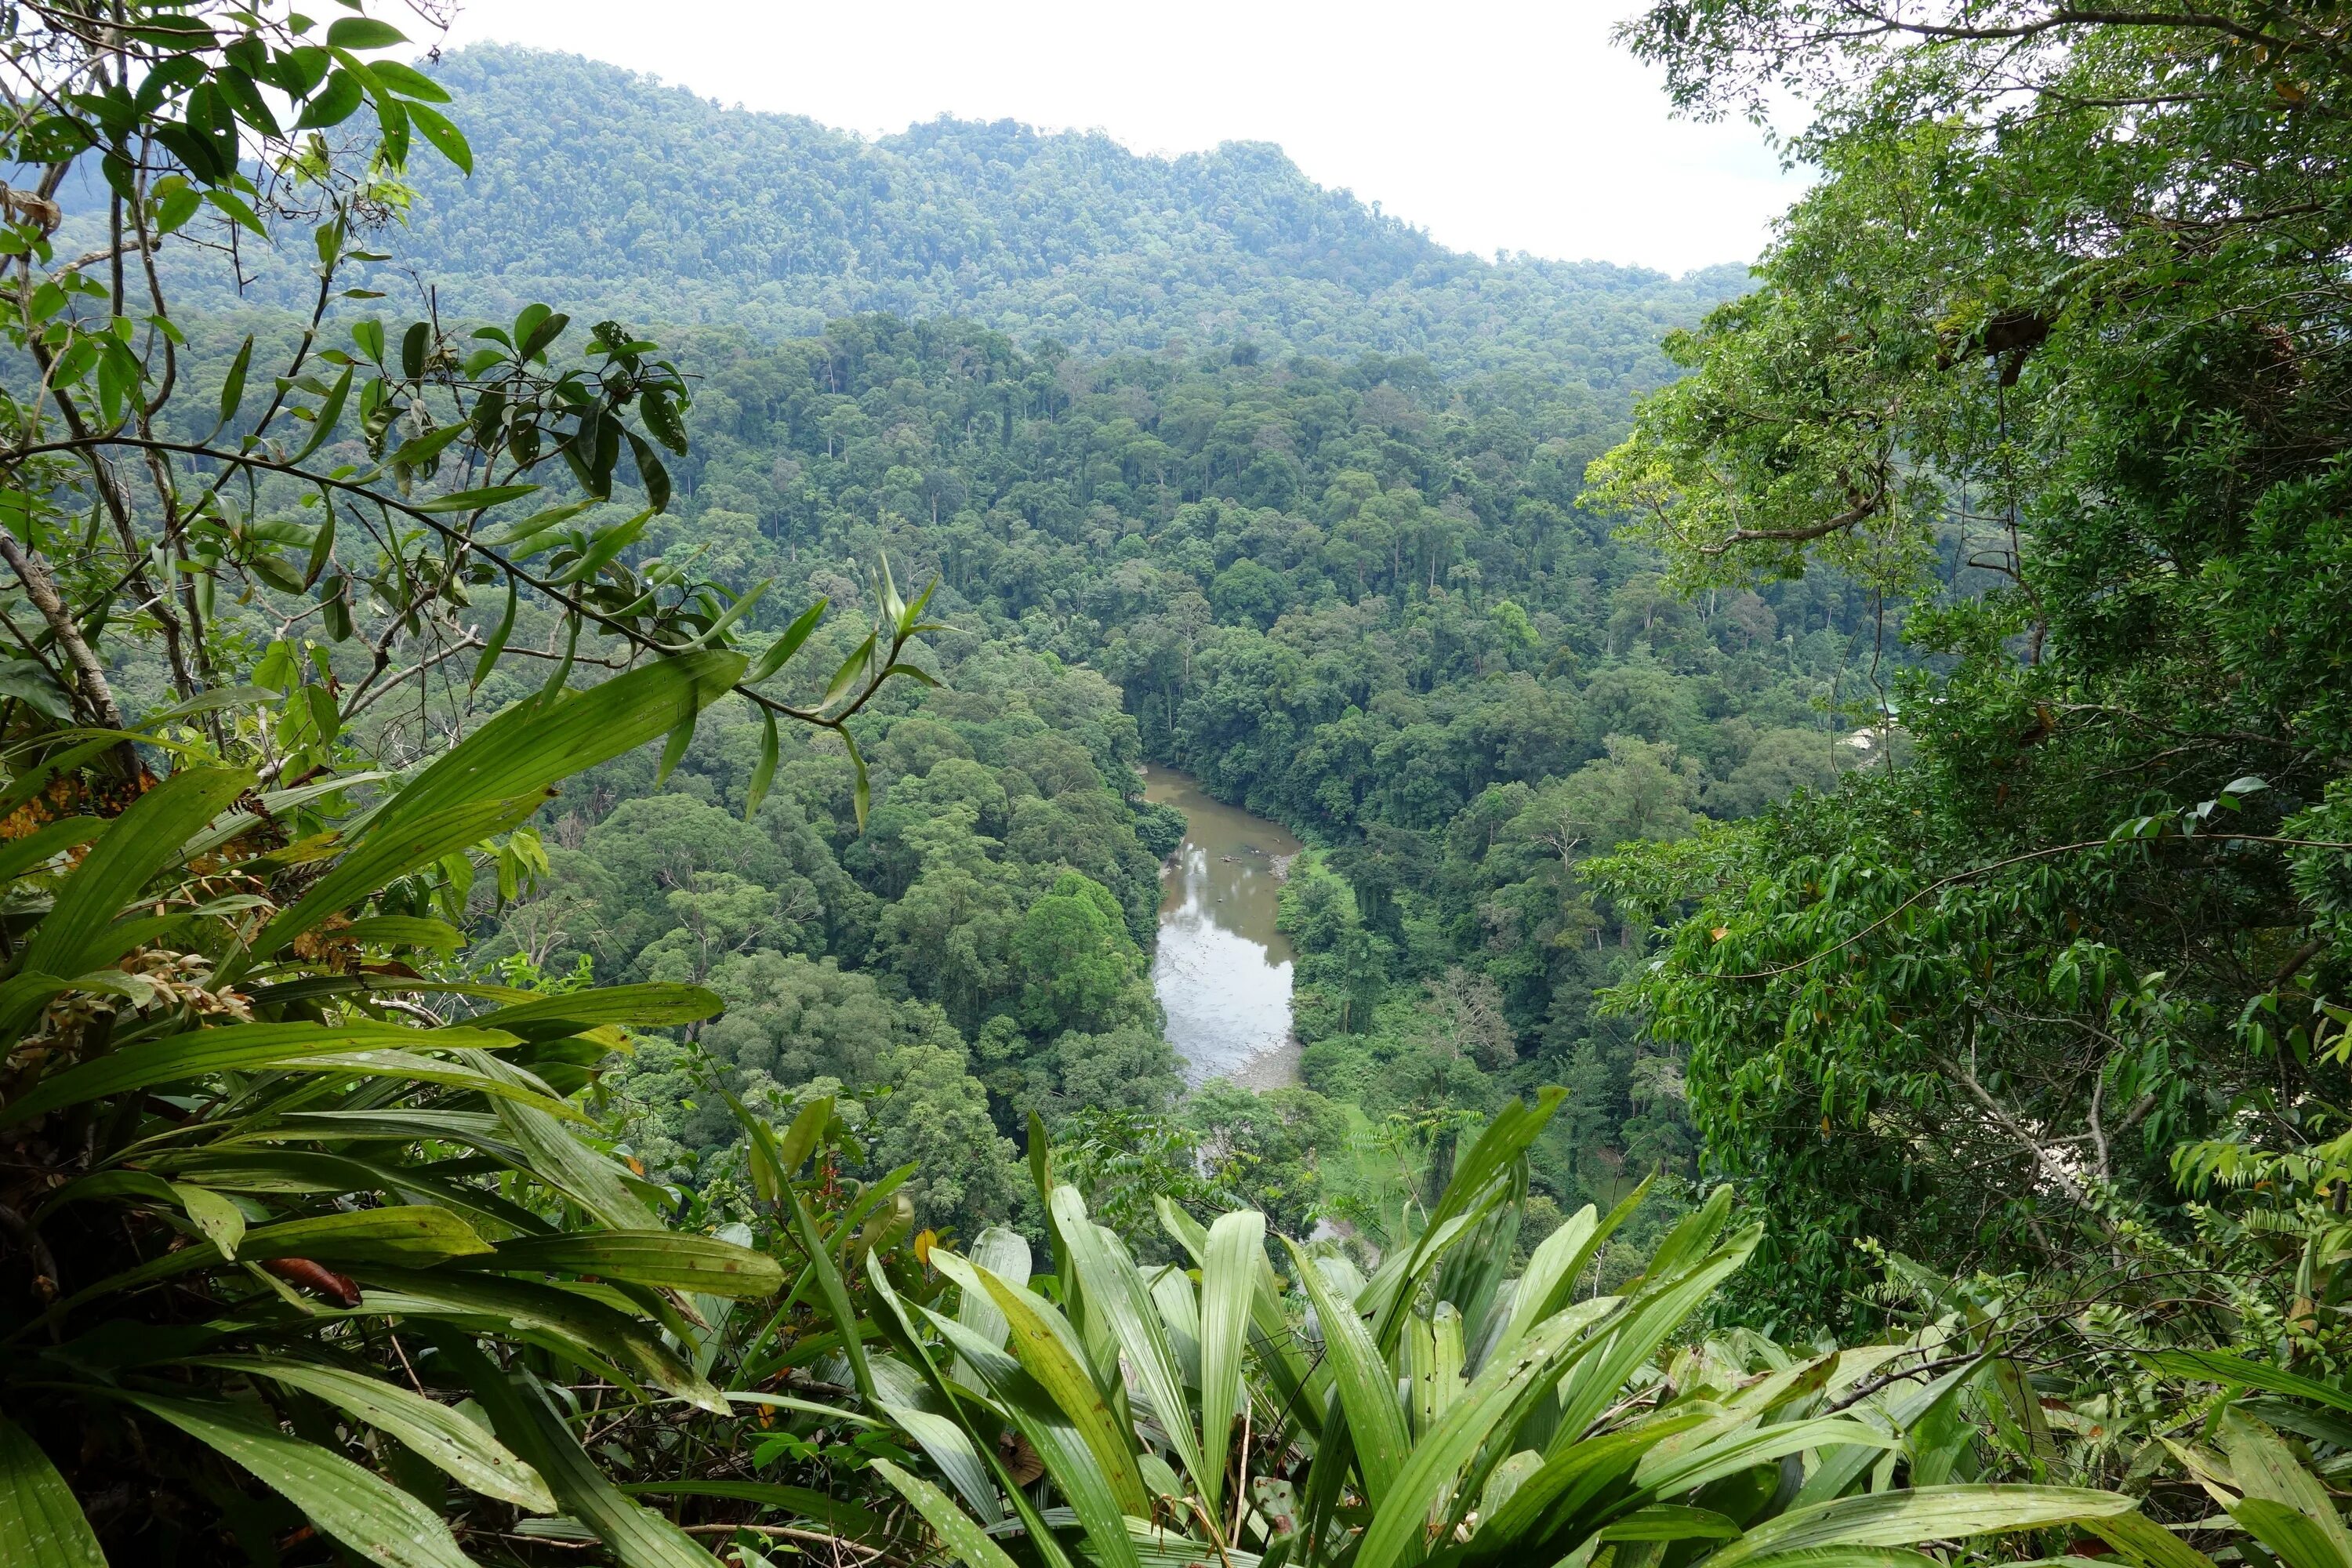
{"x":597,"y":187}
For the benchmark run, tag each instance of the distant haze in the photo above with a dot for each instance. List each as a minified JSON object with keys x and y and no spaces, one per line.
{"x":1495,"y":124}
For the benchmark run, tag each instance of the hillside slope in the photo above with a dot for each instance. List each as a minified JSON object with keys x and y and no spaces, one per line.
{"x":595,"y":185}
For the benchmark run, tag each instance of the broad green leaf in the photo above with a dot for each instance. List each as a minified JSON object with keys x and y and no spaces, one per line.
{"x":953,"y":1451}
{"x":2147,"y":1544}
{"x":509,"y":1085}
{"x":221,"y":1221}
{"x":418,"y":1233}
{"x":780,"y":652}
{"x":379,"y":858}
{"x":2298,"y":1539}
{"x":478,"y":500}
{"x":1115,"y":1289}
{"x":1006,"y":1254}
{"x":2264,"y":1468}
{"x":231,"y":393}
{"x":1685,"y":1470}
{"x":965,"y":1541}
{"x":72,"y":938}
{"x":364,"y":33}
{"x":2214,"y":1366}
{"x":1494,"y":1403}
{"x":329,"y":415}
{"x":1929,"y":1513}
{"x":1849,"y":1557}
{"x":585,"y":1176}
{"x":836,"y":1292}
{"x":528,"y":1424}
{"x":1229,"y":1269}
{"x":445,"y":138}
{"x":1559,"y":1260}
{"x":1068,"y":1457}
{"x":513,"y":534}
{"x":1048,"y":1351}
{"x":1670,"y":1521}
{"x":658,"y":1004}
{"x":764,"y":775}
{"x":525,"y":1306}
{"x":1648,"y":1319}
{"x":238,"y":1047}
{"x":1576,"y":1474}
{"x":39,"y":1516}
{"x":367,"y":1513}
{"x":838,"y":1516}
{"x":45,"y":844}
{"x":663,"y":1259}
{"x":1839,"y":1468}
{"x":1361,"y":1377}
{"x":470,"y":1456}
{"x":537,"y":743}
{"x":497,"y":644}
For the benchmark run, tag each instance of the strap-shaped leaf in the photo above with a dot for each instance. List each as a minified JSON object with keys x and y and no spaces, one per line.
{"x":1559,"y":1260}
{"x":2264,"y":1468}
{"x":1070,"y":1463}
{"x":1229,"y":1269}
{"x":2294,"y":1537}
{"x":1493,"y":1404}
{"x":537,"y":743}
{"x":835,"y":1292}
{"x":665,"y":1258}
{"x":529,"y":1424}
{"x":1115,"y":1290}
{"x":1049,"y":1351}
{"x":45,"y":844}
{"x":586,"y":1175}
{"x":143,"y":840}
{"x":2147,"y":1544}
{"x":39,"y":1516}
{"x":840,"y":1516}
{"x":1361,"y":1377}
{"x":569,"y":1316}
{"x":1574,"y":1477}
{"x":951,"y":1449}
{"x":1648,"y":1320}
{"x":239,"y":1048}
{"x":653,"y":1005}
{"x":1501,"y":1146}
{"x":362,"y":1510}
{"x":1672,"y":1521}
{"x":380,"y":857}
{"x":964,"y":1540}
{"x":1663,"y":1475}
{"x":470,"y":1457}
{"x":2215,"y":1366}
{"x":1928,"y":1514}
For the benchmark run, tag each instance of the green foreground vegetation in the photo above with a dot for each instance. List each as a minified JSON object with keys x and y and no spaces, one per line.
{"x":552,"y":1012}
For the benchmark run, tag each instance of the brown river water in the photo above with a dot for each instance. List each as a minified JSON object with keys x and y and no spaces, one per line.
{"x":1222,"y":972}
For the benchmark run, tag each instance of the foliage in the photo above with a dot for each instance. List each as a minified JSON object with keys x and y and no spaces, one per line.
{"x":1438,"y":1409}
{"x":2062,"y":308}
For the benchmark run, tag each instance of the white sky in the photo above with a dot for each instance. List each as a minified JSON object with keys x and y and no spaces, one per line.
{"x":1507,"y":125}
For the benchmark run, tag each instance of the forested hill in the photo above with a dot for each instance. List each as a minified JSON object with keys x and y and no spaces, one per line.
{"x":605,"y":189}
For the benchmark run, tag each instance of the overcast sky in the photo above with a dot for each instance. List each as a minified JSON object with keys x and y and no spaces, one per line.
{"x":1508,"y":124}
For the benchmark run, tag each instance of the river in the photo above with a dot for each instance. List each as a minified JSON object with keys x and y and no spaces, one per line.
{"x":1222,"y":972}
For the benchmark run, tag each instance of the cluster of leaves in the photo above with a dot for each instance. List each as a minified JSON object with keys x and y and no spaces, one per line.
{"x":2066,"y":293}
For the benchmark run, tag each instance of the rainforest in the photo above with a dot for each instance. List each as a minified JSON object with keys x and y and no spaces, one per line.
{"x":724,"y":840}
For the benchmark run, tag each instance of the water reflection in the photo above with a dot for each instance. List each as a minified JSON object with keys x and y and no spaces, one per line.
{"x":1222,"y":971}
